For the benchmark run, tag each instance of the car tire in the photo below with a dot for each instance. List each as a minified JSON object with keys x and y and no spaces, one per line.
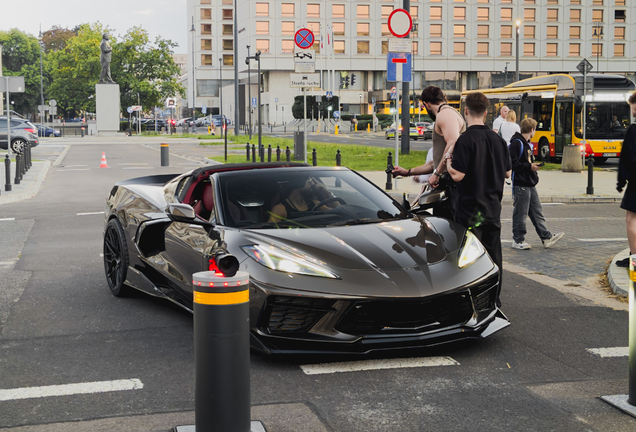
{"x":544,"y":150}
{"x":116,"y":258}
{"x":17,"y":145}
{"x":386,"y":135}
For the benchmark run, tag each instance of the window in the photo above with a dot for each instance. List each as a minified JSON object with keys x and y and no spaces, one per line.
{"x":287,"y":10}
{"x":506,"y":48}
{"x":385,"y":47}
{"x":528,"y":32}
{"x":486,"y":1}
{"x":435,"y":30}
{"x":206,"y":14}
{"x":228,"y":14}
{"x":436,"y":48}
{"x":553,"y":14}
{"x":339,"y":46}
{"x":459,"y":1}
{"x":287,"y":45}
{"x":619,"y":16}
{"x":483,"y":31}
{"x":262,"y":9}
{"x":228,"y":29}
{"x":313,"y":10}
{"x":316,"y":46}
{"x":414,"y":10}
{"x":575,"y":50}
{"x":227,"y":2}
{"x":528,"y":14}
{"x":597,"y":50}
{"x":551,"y":49}
{"x":597,"y":14}
{"x":262,"y":27}
{"x":206,"y":59}
{"x":459,"y":30}
{"x":228,"y":60}
{"x":363,"y":47}
{"x":386,"y":11}
{"x":415,"y":47}
{"x":529,"y":1}
{"x":528,"y":50}
{"x":385,"y":29}
{"x":436,"y":13}
{"x":619,"y":2}
{"x":362,"y":11}
{"x":619,"y":32}
{"x":597,"y":2}
{"x":206,"y":29}
{"x":553,"y":2}
{"x":228,"y":45}
{"x":502,"y":1}
{"x":483,"y":14}
{"x":363,"y":29}
{"x":205,"y":2}
{"x":459,"y":48}
{"x":506,"y":14}
{"x":339,"y":29}
{"x":506,"y":31}
{"x":288,"y":27}
{"x":314,"y":27}
{"x":575,"y":15}
{"x":575,"y":2}
{"x":575,"y":32}
{"x":482,"y":48}
{"x":338,"y":11}
{"x":619,"y":50}
{"x":553,"y":32}
{"x":206,"y":44}
{"x":262,"y":45}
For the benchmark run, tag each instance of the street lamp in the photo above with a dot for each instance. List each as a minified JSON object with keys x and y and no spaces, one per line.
{"x":257,"y":57}
{"x":249,"y":90}
{"x":518,"y":22}
{"x":41,"y":82}
{"x":598,"y":33}
{"x":221,"y":96}
{"x":360,"y":95}
{"x":193,"y":31}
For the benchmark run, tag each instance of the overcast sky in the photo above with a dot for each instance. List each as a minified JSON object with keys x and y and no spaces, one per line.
{"x":165,"y":18}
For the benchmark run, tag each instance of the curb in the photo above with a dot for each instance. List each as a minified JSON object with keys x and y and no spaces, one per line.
{"x":618,"y":277}
{"x":29,"y":191}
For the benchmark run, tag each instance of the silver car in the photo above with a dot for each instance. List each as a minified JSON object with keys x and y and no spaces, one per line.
{"x":22,"y":131}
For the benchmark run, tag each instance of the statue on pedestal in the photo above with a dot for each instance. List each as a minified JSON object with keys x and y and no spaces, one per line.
{"x":105,"y":59}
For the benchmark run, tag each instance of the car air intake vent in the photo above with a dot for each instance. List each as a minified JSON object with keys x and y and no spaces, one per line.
{"x":295,"y":314}
{"x":386,"y":317}
{"x":484,"y":294}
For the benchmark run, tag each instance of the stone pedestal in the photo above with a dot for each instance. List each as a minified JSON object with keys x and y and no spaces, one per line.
{"x":572,"y":160}
{"x":107,"y":107}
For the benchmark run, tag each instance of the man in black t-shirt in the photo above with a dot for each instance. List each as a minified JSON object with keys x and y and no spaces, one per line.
{"x":480,"y":163}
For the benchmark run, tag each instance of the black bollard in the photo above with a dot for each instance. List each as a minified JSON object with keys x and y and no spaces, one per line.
{"x":247,"y":151}
{"x":338,"y":158}
{"x":261,"y":152}
{"x":271,"y":128}
{"x":277,"y":153}
{"x":314,"y":157}
{"x":590,"y":177}
{"x":389,"y":172}
{"x":253,"y":153}
{"x":28,"y":160}
{"x":18,"y":169}
{"x":288,"y":154}
{"x":221,"y":352}
{"x":7,"y":173}
{"x":165,"y":154}
{"x":269,"y":153}
{"x":82,"y":132}
{"x":285,"y":128}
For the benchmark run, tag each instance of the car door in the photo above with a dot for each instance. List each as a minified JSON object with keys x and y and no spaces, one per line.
{"x":3,"y":133}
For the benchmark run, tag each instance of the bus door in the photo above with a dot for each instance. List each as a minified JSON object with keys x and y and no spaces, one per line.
{"x":562,"y":125}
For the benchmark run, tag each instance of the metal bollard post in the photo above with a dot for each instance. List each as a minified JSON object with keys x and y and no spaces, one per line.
{"x":285,"y":128}
{"x":261,"y":152}
{"x":288,"y":154}
{"x":18,"y":169}
{"x":269,"y":153}
{"x":221,"y":352}
{"x":389,"y":172}
{"x":247,"y":151}
{"x":7,"y":173}
{"x":29,"y":163}
{"x":277,"y":153}
{"x":253,"y":153}
{"x":271,"y":128}
{"x":314,"y":157}
{"x":590,"y":178}
{"x":165,"y":154}
{"x":82,"y":132}
{"x":338,"y":158}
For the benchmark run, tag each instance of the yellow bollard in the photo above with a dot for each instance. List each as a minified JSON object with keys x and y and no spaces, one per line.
{"x":356,"y":127}
{"x":336,"y":130}
{"x":209,"y":130}
{"x":368,"y":127}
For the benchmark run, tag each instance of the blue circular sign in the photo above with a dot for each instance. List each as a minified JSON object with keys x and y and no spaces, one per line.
{"x":336,"y":114}
{"x":129,"y":109}
{"x":304,"y":38}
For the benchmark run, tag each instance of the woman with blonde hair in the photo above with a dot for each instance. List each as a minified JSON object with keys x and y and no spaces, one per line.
{"x":509,"y":127}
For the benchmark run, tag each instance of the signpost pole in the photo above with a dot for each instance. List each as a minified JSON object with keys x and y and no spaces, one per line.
{"x":6,"y":82}
{"x":305,"y":117}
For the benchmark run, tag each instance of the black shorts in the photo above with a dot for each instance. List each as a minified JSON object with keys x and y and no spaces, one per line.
{"x":629,"y":198}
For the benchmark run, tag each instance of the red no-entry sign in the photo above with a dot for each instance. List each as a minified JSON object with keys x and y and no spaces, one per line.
{"x":400,"y":23}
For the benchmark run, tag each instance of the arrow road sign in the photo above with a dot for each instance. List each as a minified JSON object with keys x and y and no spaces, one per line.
{"x":584,"y":67}
{"x":304,"y":38}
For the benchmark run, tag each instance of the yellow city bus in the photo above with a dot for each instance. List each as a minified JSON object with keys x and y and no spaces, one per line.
{"x":551,"y":101}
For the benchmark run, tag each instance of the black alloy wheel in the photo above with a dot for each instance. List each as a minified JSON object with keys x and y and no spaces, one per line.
{"x":115,"y":257}
{"x":17,"y":145}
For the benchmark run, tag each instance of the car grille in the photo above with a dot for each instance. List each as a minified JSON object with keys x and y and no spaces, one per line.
{"x":295,"y":314}
{"x":398,"y":316}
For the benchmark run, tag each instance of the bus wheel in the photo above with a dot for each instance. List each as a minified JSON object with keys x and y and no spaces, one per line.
{"x":600,"y":160}
{"x":544,"y":150}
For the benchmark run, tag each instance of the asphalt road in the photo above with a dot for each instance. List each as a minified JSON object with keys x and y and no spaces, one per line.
{"x":60,"y":325}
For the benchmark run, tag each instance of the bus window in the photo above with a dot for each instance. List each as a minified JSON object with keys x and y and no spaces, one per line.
{"x":543,"y":114}
{"x":606,"y":120}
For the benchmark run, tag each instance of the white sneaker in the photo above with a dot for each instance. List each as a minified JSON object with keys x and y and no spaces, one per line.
{"x":520,"y":246}
{"x":552,"y":240}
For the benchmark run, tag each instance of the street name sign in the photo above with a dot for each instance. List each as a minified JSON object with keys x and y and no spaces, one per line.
{"x":305,"y":80}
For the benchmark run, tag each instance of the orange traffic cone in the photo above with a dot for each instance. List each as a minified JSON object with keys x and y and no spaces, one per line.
{"x":103,"y":164}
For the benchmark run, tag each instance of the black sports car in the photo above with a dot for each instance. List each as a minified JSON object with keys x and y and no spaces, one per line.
{"x":336,"y":265}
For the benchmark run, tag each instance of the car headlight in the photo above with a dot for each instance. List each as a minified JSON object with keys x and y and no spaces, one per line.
{"x":283,"y":261}
{"x":470,"y":251}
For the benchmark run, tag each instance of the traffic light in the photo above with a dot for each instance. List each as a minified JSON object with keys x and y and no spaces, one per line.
{"x":353,"y":79}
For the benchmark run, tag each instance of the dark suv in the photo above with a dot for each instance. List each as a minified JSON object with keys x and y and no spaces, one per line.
{"x":22,"y":131}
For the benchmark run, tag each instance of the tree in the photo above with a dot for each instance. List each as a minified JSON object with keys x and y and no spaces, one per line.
{"x":56,"y":38}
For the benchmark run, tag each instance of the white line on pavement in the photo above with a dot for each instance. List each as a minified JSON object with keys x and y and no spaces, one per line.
{"x":610,"y":352}
{"x":354,"y":366}
{"x":551,"y":204}
{"x":7,"y":219}
{"x":135,"y":163}
{"x":139,"y":167}
{"x":616,"y":239}
{"x":70,"y":389}
{"x":74,"y":169}
{"x":90,"y":213}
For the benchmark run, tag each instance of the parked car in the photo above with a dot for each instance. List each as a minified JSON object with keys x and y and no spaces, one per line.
{"x":183,"y":121}
{"x":218,"y":121}
{"x":47,"y":131}
{"x":390,"y":132}
{"x":22,"y":131}
{"x":421,"y":128}
{"x":353,"y":273}
{"x":160,"y":125}
{"x":428,"y":133}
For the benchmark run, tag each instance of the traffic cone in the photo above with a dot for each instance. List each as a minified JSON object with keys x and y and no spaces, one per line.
{"x":103,"y":164}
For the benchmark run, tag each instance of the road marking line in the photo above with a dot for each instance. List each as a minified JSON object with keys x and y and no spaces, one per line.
{"x":551,"y":204}
{"x":138,"y":167}
{"x":135,"y":163}
{"x":7,"y":263}
{"x":610,"y":352}
{"x":70,"y":389}
{"x":616,"y":239}
{"x":75,"y":169}
{"x":354,"y":366}
{"x":90,"y":213}
{"x":7,"y":219}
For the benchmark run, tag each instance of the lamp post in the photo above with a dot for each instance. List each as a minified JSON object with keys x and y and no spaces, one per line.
{"x":249,"y":90}
{"x":518,"y":22}
{"x":41,"y":81}
{"x":360,"y":96}
{"x":257,"y":57}
{"x":598,"y":33}
{"x":506,"y":74}
{"x":193,"y":31}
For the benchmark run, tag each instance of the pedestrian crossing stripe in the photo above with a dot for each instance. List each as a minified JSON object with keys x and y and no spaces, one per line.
{"x":610,"y":352}
{"x":365,"y":365}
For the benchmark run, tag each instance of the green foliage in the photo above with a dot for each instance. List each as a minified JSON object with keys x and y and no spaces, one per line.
{"x":56,"y":38}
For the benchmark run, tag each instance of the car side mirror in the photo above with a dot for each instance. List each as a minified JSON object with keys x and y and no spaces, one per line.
{"x":181,"y":212}
{"x":431,"y":199}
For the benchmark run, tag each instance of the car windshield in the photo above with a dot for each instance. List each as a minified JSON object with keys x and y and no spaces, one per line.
{"x":302,"y":198}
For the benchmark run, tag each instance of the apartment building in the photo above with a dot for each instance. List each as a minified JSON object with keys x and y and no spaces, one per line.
{"x":456,"y":44}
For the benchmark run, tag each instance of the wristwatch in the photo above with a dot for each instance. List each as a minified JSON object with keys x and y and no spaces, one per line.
{"x":435,"y":172}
